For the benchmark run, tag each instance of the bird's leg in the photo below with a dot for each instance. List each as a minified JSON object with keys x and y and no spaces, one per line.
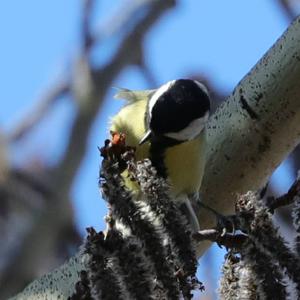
{"x":224,"y":223}
{"x":187,"y":208}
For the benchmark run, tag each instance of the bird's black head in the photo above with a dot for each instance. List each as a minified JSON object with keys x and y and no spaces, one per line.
{"x":178,"y":110}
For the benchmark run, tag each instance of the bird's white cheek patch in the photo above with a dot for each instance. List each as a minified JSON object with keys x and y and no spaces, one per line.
{"x":202,"y":87}
{"x":191,"y":131}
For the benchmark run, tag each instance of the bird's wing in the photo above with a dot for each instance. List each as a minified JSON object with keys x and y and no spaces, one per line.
{"x":133,"y":96}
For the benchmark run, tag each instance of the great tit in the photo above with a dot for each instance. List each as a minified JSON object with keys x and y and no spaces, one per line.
{"x":167,"y":125}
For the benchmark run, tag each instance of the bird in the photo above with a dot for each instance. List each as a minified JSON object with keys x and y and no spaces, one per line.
{"x":168,"y":126}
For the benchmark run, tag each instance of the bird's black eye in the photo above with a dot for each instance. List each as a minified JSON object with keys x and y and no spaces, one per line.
{"x":178,"y":106}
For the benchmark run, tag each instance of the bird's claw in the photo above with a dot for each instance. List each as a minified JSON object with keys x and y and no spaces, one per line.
{"x":225,"y":224}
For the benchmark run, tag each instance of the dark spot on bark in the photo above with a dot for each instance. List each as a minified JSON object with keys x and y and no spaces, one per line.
{"x":264,"y":145}
{"x":258,"y":97}
{"x":227,"y":157}
{"x":252,"y":114}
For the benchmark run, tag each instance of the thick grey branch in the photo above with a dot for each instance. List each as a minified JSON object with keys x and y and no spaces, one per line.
{"x":58,"y":284}
{"x":255,"y":129}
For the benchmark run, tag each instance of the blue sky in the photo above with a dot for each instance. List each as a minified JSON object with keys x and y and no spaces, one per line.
{"x":39,"y":40}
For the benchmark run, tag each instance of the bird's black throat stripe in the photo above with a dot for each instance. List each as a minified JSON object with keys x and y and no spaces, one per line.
{"x":158,"y":147}
{"x":157,"y":151}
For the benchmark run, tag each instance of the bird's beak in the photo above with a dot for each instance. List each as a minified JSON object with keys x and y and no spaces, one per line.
{"x":145,"y":138}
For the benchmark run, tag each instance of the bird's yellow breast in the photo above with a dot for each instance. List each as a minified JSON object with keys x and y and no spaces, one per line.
{"x":185,"y":165}
{"x":184,"y":162}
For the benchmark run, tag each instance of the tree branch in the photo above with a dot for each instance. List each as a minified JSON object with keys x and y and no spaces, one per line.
{"x":87,"y":38}
{"x":286,"y":199}
{"x":287,"y":9}
{"x":227,"y":240}
{"x":58,"y":90}
{"x":59,"y":284}
{"x":244,"y":151}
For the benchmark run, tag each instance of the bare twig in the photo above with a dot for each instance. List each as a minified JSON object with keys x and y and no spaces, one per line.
{"x":87,"y":38}
{"x":286,"y":7}
{"x":124,"y":15}
{"x":286,"y":199}
{"x":101,"y":81}
{"x":56,"y":92}
{"x":130,"y":46}
{"x":227,"y":240}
